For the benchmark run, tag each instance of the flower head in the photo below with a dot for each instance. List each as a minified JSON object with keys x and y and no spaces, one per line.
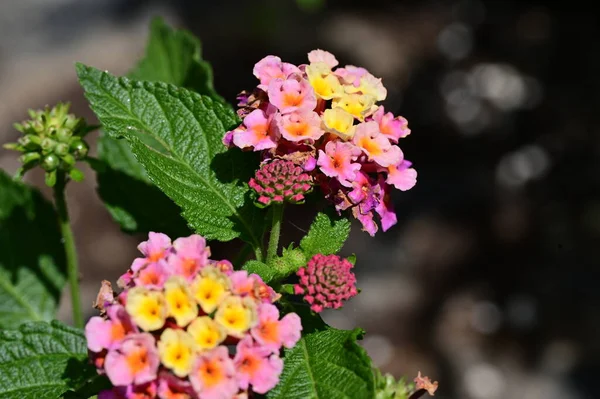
{"x":280,"y":181}
{"x":326,"y":281}
{"x":108,"y":333}
{"x":134,"y":362}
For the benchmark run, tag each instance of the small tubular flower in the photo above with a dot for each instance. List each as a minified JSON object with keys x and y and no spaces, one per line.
{"x":236,"y":315}
{"x":257,"y":132}
{"x":156,"y":248}
{"x":272,"y":333}
{"x":214,"y":375}
{"x":326,"y":282}
{"x":134,"y":362}
{"x":292,"y":95}
{"x":191,"y":255}
{"x":325,"y":84}
{"x":323,"y":56}
{"x":338,"y":161}
{"x":298,"y":126}
{"x":280,"y":181}
{"x":152,"y":275}
{"x":356,"y":104}
{"x":270,"y":68}
{"x":206,"y":333}
{"x":181,"y":304}
{"x":339,"y":122}
{"x":147,"y":308}
{"x":393,"y":128}
{"x":210,"y":288}
{"x":108,"y":333}
{"x":375,"y":145}
{"x":402,"y":176}
{"x":256,"y":366}
{"x":176,"y":350}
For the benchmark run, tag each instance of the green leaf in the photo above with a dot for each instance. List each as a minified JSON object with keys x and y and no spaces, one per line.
{"x":191,"y":165}
{"x":174,"y":56}
{"x":326,"y":364}
{"x":131,"y":199}
{"x":326,"y":236}
{"x":32,"y":263}
{"x":42,"y":360}
{"x":266,"y":272}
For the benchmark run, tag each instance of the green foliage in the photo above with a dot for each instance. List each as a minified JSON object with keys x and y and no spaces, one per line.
{"x":172,"y":56}
{"x":43,"y":360}
{"x":326,"y":364}
{"x":267,"y":273}
{"x":326,"y":236}
{"x":32,"y":263}
{"x":176,"y":135}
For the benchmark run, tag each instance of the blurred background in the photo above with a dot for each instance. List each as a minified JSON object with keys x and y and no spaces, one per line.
{"x":489,"y":281}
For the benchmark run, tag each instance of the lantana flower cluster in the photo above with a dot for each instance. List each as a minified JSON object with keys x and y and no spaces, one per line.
{"x":325,"y":120}
{"x":186,"y":326}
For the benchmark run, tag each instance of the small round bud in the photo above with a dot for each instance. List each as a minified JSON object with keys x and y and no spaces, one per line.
{"x":64,"y":135}
{"x":280,"y":181}
{"x":48,"y":144}
{"x":68,"y":161}
{"x":79,"y":148}
{"x":30,"y":142}
{"x":50,"y":162}
{"x":61,"y":149}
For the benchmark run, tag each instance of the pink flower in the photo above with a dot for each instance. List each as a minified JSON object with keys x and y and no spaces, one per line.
{"x":157,"y":247}
{"x":402,"y":176}
{"x":324,"y":57}
{"x":223,"y":265}
{"x":135,"y":361}
{"x":292,"y":94}
{"x":270,"y":68}
{"x":392,"y":128}
{"x":191,"y":254}
{"x":108,"y":333}
{"x":298,"y":126}
{"x":213,"y":375}
{"x":366,"y":218}
{"x":171,"y":387}
{"x":152,"y":275}
{"x":351,"y":74}
{"x":385,"y":208}
{"x":337,"y":159}
{"x":244,"y":284}
{"x":256,"y":366}
{"x":326,"y":282}
{"x":272,"y":333}
{"x":377,"y":146}
{"x":364,"y":190}
{"x":256,"y":132}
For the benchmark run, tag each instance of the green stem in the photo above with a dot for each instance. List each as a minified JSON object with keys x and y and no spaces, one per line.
{"x":277,"y":216}
{"x":69,"y":243}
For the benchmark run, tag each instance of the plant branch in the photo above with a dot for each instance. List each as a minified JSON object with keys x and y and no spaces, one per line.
{"x":277,"y":216}
{"x":69,"y":243}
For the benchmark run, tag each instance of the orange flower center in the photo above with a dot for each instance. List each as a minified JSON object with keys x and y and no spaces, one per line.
{"x":137,"y":360}
{"x":188,"y":267}
{"x":292,"y":99}
{"x":156,"y":256}
{"x":149,"y":277}
{"x":299,"y":129}
{"x":117,"y":331}
{"x":269,"y":331}
{"x":211,"y":373}
{"x":370,"y":146}
{"x":249,"y":365}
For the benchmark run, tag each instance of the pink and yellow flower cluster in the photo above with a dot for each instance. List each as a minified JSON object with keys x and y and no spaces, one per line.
{"x":327,"y":120}
{"x":186,"y":326}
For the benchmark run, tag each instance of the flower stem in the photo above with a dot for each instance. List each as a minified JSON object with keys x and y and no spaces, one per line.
{"x":69,"y":243}
{"x":277,"y":216}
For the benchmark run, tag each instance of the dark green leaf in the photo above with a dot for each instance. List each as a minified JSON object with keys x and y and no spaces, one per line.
{"x":43,"y":360}
{"x":326,"y":364}
{"x":32,"y":264}
{"x":191,"y":166}
{"x":326,"y":236}
{"x":174,"y":56}
{"x":266,"y":272}
{"x":132,"y":200}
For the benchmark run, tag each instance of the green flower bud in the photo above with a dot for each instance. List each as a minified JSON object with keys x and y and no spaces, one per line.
{"x":50,"y":162}
{"x":68,"y":161}
{"x":64,"y":135}
{"x":76,"y":174}
{"x":79,"y":148}
{"x":51,"y":178}
{"x":30,"y":142}
{"x":61,"y":149}
{"x":29,"y":157}
{"x":48,"y":144}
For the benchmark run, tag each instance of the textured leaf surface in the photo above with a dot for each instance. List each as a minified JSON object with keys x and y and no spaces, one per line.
{"x":42,"y":360}
{"x":326,"y":364}
{"x":129,"y":195}
{"x":326,"y":236}
{"x":266,"y":272}
{"x":190,"y":164}
{"x":32,"y":264}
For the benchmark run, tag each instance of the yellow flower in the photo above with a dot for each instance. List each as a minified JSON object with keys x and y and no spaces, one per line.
{"x":237,"y":315}
{"x":358,"y":105}
{"x":176,"y":349}
{"x":325,"y":84}
{"x":206,"y":333}
{"x":370,"y":85}
{"x":209,"y":288}
{"x":147,"y":308}
{"x":339,"y":122}
{"x":180,"y":301}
